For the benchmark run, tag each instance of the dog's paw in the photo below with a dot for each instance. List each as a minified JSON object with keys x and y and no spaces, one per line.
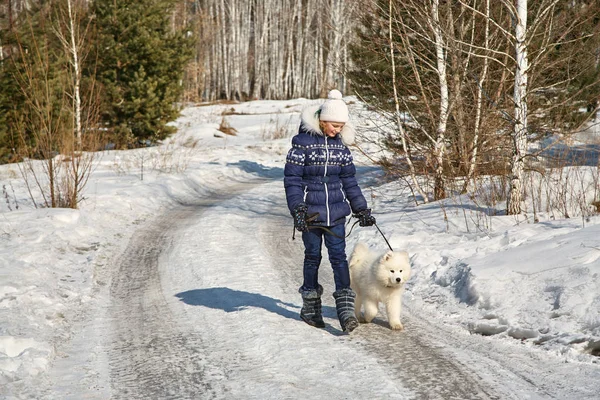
{"x":396,"y":325}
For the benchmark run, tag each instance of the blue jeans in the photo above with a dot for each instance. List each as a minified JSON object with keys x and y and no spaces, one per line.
{"x":336,"y":248}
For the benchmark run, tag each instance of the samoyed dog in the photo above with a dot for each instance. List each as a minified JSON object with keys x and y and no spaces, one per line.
{"x":378,"y":278}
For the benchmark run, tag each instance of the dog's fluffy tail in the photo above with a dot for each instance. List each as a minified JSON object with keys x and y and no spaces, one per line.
{"x":359,"y":255}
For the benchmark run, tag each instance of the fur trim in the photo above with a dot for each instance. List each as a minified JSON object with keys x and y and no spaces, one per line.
{"x":311,"y":293}
{"x":310,"y":122}
{"x":348,"y":134}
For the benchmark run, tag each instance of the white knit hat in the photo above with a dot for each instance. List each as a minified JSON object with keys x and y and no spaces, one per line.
{"x":334,"y":109}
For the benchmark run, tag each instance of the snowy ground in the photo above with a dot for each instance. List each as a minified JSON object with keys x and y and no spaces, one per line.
{"x":504,"y":300}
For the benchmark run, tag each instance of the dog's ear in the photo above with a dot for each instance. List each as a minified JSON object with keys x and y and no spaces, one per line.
{"x":388,"y":255}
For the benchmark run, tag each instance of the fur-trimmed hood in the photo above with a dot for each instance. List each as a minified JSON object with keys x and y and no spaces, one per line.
{"x":310,"y":123}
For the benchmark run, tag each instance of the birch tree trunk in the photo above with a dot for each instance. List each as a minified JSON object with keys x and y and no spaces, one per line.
{"x":298,"y":57}
{"x":74,"y":50}
{"x":335,"y":38}
{"x":262,"y":14}
{"x":223,"y":45}
{"x":70,"y":42}
{"x":213,"y":53}
{"x":439,"y":191}
{"x":515,"y":195}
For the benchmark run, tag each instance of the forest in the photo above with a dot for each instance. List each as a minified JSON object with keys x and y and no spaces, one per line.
{"x":463,"y":89}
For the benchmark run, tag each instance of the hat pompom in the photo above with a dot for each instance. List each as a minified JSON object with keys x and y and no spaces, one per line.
{"x":334,"y":95}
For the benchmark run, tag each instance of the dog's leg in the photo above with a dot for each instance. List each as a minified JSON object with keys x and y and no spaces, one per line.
{"x":357,"y":306}
{"x":371,"y":310}
{"x":394,"y":307}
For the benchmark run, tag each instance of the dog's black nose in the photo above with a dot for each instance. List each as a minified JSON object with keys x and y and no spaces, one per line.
{"x":398,"y":280}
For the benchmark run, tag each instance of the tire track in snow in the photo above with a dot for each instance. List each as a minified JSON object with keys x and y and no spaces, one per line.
{"x":151,"y":353}
{"x":147,"y":348}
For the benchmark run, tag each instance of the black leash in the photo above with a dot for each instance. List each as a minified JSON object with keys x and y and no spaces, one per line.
{"x":340,"y":237}
{"x":384,"y":238}
{"x":326,"y":230}
{"x":331,"y":233}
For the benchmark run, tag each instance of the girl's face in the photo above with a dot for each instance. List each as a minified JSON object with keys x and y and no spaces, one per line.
{"x":331,"y":129}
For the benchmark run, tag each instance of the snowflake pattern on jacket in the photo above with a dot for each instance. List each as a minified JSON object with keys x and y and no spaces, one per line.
{"x":320,"y":172}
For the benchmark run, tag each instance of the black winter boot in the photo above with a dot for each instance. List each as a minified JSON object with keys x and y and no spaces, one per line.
{"x":311,"y":312}
{"x":344,"y":304}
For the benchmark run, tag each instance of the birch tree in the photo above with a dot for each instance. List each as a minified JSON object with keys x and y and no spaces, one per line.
{"x":72,"y":30}
{"x":556,"y":51}
{"x":444,"y":107}
{"x":519,"y":134}
{"x":69,"y":35}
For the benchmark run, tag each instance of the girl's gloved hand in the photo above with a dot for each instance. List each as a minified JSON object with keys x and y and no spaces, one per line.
{"x":365,"y":218}
{"x":300,"y":217}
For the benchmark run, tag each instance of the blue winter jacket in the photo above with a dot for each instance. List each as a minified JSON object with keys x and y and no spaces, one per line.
{"x":319,"y":172}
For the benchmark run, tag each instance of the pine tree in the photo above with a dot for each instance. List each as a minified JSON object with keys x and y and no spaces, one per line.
{"x":140,"y":65}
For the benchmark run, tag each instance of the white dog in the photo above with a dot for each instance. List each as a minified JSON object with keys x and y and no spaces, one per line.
{"x":379,"y":278}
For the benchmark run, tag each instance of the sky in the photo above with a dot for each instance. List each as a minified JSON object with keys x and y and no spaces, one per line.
{"x":178,"y":277}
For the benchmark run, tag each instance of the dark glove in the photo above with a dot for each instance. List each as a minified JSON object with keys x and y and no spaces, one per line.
{"x":300,"y":217}
{"x":365,"y":218}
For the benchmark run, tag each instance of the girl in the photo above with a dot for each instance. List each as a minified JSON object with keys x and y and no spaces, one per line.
{"x":321,"y":189}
